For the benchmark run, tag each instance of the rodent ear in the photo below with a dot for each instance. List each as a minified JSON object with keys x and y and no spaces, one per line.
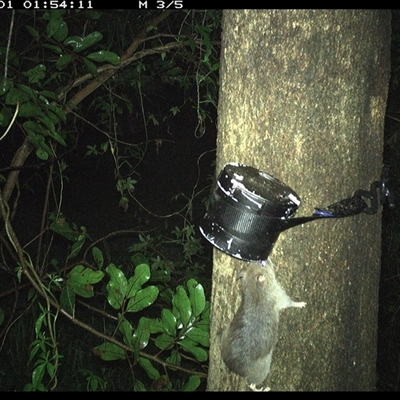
{"x":261,"y":278}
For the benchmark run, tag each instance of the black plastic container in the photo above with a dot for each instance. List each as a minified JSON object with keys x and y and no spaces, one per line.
{"x":247,"y":211}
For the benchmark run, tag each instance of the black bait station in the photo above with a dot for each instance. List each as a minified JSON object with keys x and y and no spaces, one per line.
{"x":248,"y":209}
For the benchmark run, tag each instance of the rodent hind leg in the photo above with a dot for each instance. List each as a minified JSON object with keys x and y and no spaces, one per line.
{"x":259,"y":372}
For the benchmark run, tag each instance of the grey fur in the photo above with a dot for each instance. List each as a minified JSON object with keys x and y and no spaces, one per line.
{"x":248,"y":342}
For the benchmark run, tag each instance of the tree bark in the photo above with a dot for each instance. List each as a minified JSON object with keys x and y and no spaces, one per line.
{"x":302,"y":97}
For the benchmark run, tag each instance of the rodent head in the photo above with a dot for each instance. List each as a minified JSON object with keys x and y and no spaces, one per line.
{"x":253,"y":280}
{"x":252,"y":271}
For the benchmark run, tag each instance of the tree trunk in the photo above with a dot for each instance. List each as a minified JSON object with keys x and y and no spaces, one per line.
{"x":302,"y":97}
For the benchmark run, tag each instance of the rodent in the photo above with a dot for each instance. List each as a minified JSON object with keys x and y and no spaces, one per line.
{"x":248,"y":342}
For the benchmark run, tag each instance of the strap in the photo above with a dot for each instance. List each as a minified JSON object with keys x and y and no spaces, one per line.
{"x":356,"y":204}
{"x":352,"y":205}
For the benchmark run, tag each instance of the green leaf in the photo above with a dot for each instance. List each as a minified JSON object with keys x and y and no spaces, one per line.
{"x":64,"y":60}
{"x":36,"y":346}
{"x":33,"y":32}
{"x":166,"y":295}
{"x":161,"y":275}
{"x":175,"y":71}
{"x":5,"y":115}
{"x":33,"y":127}
{"x":214,"y":67}
{"x":52,"y":130}
{"x":199,"y":336}
{"x":42,"y":155}
{"x":61,"y":226}
{"x":142,"y":299}
{"x":182,"y":303}
{"x":74,"y":41}
{"x":30,"y":388}
{"x":36,"y":74}
{"x":85,"y":291}
{"x":150,"y":28}
{"x":59,"y":112}
{"x":62,"y":32}
{"x":85,"y":276}
{"x":16,"y":95}
{"x":67,"y":299}
{"x":142,"y":333}
{"x":92,"y":14}
{"x":79,"y":44}
{"x":197,"y":297}
{"x":109,"y":352}
{"x":55,"y":24}
{"x":148,"y":367}
{"x":90,"y":67}
{"x":50,"y":369}
{"x":104,"y":56}
{"x":81,"y":280}
{"x":168,"y":322}
{"x":28,"y":90}
{"x":76,"y":247}
{"x":164,"y":341}
{"x":98,"y":257}
{"x":50,"y":95}
{"x":48,"y":124}
{"x":30,"y":109}
{"x":204,"y":322}
{"x":140,"y":276}
{"x":117,"y":287}
{"x":174,"y":358}
{"x":188,"y":345}
{"x":126,"y":329}
{"x":38,"y":141}
{"x":38,"y":323}
{"x":38,"y":373}
{"x":53,"y":48}
{"x":193,"y":384}
{"x":138,"y":258}
{"x":139,"y":386}
{"x":155,"y":325}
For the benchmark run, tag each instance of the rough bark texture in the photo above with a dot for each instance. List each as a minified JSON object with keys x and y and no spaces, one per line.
{"x":303,"y":97}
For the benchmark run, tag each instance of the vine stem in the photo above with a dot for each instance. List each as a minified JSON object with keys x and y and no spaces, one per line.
{"x":29,"y":271}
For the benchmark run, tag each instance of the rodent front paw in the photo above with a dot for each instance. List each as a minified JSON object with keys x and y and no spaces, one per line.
{"x":300,"y":304}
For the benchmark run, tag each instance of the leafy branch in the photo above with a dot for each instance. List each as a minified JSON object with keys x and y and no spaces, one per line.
{"x":119,"y":290}
{"x":26,"y":148}
{"x":46,"y":78}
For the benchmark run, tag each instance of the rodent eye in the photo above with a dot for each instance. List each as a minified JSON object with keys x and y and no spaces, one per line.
{"x":240,"y":274}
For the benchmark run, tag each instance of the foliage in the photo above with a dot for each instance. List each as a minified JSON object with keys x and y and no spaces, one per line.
{"x":146,"y":313}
